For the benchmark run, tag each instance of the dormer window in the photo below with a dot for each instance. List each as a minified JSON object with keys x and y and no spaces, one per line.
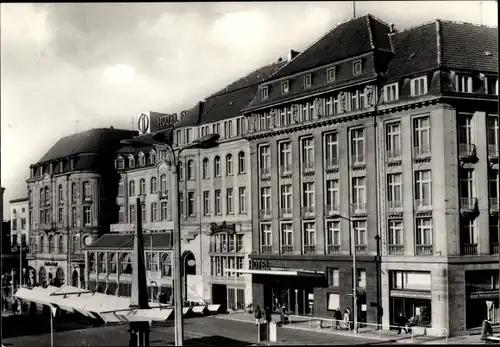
{"x":178,"y":137}
{"x":61,"y":166}
{"x":330,"y":74}
{"x":357,"y":67}
{"x":391,"y":92}
{"x":131,"y":162}
{"x":307,"y":81}
{"x":285,"y":87}
{"x":152,"y":157}
{"x":463,"y":84}
{"x":418,"y":86}
{"x":119,"y":163}
{"x":264,"y":92}
{"x":142,"y":159}
{"x":491,"y":85}
{"x":189,"y":135}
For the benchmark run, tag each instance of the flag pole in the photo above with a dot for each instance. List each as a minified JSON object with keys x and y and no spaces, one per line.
{"x":354,"y":9}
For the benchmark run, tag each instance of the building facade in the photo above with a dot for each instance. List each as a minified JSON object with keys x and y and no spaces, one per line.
{"x":71,"y":202}
{"x":19,"y":221}
{"x":396,"y":141}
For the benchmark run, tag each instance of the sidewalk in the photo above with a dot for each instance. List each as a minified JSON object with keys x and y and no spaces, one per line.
{"x":389,"y":336}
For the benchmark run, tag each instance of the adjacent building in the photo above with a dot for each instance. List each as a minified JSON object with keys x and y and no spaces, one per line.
{"x":391,"y":137}
{"x":19,"y":221}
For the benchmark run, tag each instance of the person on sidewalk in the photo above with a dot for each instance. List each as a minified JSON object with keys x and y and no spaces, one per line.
{"x":346,"y":318}
{"x":401,"y":323}
{"x":337,"y":316}
{"x":268,"y":313}
{"x":258,"y":315}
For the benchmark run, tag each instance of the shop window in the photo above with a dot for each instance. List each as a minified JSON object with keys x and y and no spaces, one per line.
{"x":333,"y":277}
{"x":333,"y":301}
{"x":402,"y":280}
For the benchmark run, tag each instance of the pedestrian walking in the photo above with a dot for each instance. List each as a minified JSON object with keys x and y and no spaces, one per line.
{"x":14,"y":306}
{"x":346,"y":318}
{"x":401,"y":322}
{"x":268,"y":313}
{"x":258,"y":315}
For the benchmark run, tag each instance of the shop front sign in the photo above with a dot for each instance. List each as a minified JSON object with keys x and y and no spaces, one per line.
{"x":484,"y":295}
{"x":255,"y":264}
{"x":410,"y":294}
{"x":51,"y":263}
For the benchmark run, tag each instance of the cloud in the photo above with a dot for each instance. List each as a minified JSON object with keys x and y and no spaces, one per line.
{"x":24,"y":24}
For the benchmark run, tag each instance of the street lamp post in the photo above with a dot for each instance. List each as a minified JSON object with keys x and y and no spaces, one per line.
{"x":164,"y":142}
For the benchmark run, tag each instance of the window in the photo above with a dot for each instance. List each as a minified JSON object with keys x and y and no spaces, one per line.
{"x":119,"y":163}
{"x":229,"y":164}
{"x":465,"y":129}
{"x":87,"y":191}
{"x":265,"y":199}
{"x":286,"y":234}
{"x":264,"y":159}
{"x":424,"y":231}
{"x":333,"y":281}
{"x":216,"y":128}
{"x":463,"y":84}
{"x":121,"y":188}
{"x":330,"y":73}
{"x":394,"y":190}
{"x":395,"y":232}
{"x":23,"y":223}
{"x":361,"y":274}
{"x":266,"y":235}
{"x":467,"y":233}
{"x":190,"y":170}
{"x":131,"y":216}
{"x":189,"y":136}
{"x":60,"y":193}
{"x":360,"y":232}
{"x":60,"y":215}
{"x":391,"y":92}
{"x":422,"y":135}
{"x":42,"y":244}
{"x":126,"y":264}
{"x":73,"y":216}
{"x":163,"y":210}
{"x":191,"y":204}
{"x":131,"y":162}
{"x":229,"y":201}
{"x":332,"y":195}
{"x":217,"y":202}
{"x":181,"y":204}
{"x":357,"y":67}
{"x":206,"y":203}
{"x":206,"y":170}
{"x":14,"y":224}
{"x":217,"y":166}
{"x":308,"y":153}
{"x":493,"y":186}
{"x":142,"y":186}
{"x":181,"y":171}
{"x":51,"y":244}
{"x":307,"y":81}
{"x":143,"y":212}
{"x":331,"y":150}
{"x":358,"y":146}
{"x":410,"y":280}
{"x":166,"y":265}
{"x":358,"y":193}
{"x":491,"y":85}
{"x":264,"y":92}
{"x":178,"y":137}
{"x":131,"y":188}
{"x":142,"y":159}
{"x":113,"y":263}
{"x":423,"y":188}
{"x":393,"y":140}
{"x":285,"y":87}
{"x":243,"y":199}
{"x":418,"y":86}
{"x":333,"y":233}
{"x":241,"y":162}
{"x":86,"y":216}
{"x":286,"y":199}
{"x":228,"y":129}
{"x":152,"y":158}
{"x":308,"y":196}
{"x":285,"y":156}
{"x":240,"y":126}
{"x":492,"y":135}
{"x":153,"y":185}
{"x":60,"y":246}
{"x":163,"y":183}
{"x":309,"y":234}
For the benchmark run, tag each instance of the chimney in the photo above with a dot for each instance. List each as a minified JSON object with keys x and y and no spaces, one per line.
{"x":111,"y":127}
{"x":292,"y":54}
{"x":32,"y":171}
{"x":391,"y":28}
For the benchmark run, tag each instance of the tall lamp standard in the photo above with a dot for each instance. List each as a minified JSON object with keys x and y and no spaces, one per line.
{"x":163,"y":140}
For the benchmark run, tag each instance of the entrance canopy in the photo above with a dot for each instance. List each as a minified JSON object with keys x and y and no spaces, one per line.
{"x":109,"y":308}
{"x":278,"y":272}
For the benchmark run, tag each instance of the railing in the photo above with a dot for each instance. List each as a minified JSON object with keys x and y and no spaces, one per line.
{"x":469,"y":249}
{"x":285,"y":212}
{"x":332,"y":163}
{"x":308,"y":166}
{"x":394,"y":205}
{"x":358,"y":207}
{"x":494,"y":248}
{"x":468,"y":204}
{"x":466,"y":150}
{"x":358,"y":159}
{"x":424,"y":250}
{"x":285,"y":169}
{"x":361,"y":248}
{"x":333,"y":249}
{"x":393,"y":154}
{"x":266,"y":249}
{"x":265,"y":213}
{"x":307,"y":211}
{"x":286,"y":249}
{"x":265,"y":172}
{"x":396,"y":249}
{"x":492,"y":151}
{"x":309,"y":249}
{"x":494,"y":204}
{"x":331,"y":210}
{"x":423,"y":204}
{"x":421,"y":151}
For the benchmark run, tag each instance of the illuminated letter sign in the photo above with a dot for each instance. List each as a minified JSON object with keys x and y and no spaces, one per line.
{"x":255,"y":264}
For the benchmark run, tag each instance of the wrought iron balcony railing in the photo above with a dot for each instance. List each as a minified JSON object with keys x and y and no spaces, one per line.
{"x":421,"y":151}
{"x":286,"y":170}
{"x":468,"y":205}
{"x":358,"y":208}
{"x":466,"y":150}
{"x":332,"y":210}
{"x":396,"y":249}
{"x":308,"y":211}
{"x":361,"y":248}
{"x":265,"y":172}
{"x":308,"y":166}
{"x":394,"y":205}
{"x":285,"y":212}
{"x":393,"y":154}
{"x":424,"y":250}
{"x":423,"y":204}
{"x":266,"y":249}
{"x":286,"y":249}
{"x":331,"y":163}
{"x":333,"y":249}
{"x":469,"y":249}
{"x":309,"y":249}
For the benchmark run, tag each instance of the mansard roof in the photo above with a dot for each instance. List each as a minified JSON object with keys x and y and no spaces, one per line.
{"x":120,"y":242}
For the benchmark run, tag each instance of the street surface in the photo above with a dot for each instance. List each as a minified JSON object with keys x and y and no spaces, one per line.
{"x":204,"y":331}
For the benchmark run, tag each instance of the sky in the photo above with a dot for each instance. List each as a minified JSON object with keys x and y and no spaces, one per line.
{"x":73,"y":67}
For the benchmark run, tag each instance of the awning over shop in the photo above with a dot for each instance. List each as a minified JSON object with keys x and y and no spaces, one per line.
{"x":278,"y":272}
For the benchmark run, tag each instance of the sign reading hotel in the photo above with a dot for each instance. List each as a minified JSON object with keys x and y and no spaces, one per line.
{"x":150,"y":122}
{"x":255,"y":264}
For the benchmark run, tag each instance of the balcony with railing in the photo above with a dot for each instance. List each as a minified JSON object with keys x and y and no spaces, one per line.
{"x":358,"y":208}
{"x":468,"y":205}
{"x":265,"y":213}
{"x":424,"y":250}
{"x":308,"y":166}
{"x":308,"y":211}
{"x":421,"y":151}
{"x":309,"y":249}
{"x":358,"y":160}
{"x":286,"y":249}
{"x":286,"y":212}
{"x":423,"y":204}
{"x":265,"y":172}
{"x":494,"y":204}
{"x":469,"y":249}
{"x":394,"y":206}
{"x":494,"y":248}
{"x":393,"y":154}
{"x":396,"y":249}
{"x":332,"y":210}
{"x":361,"y":248}
{"x":493,"y":152}
{"x":266,"y":249}
{"x":466,"y":150}
{"x":331,"y":163}
{"x":333,"y":249}
{"x":285,"y":170}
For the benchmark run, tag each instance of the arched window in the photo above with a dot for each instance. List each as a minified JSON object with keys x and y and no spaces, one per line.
{"x":91,"y":261}
{"x":60,"y":194}
{"x":181,"y":171}
{"x":142,"y":186}
{"x":41,"y":198}
{"x":153,"y":186}
{"x":229,"y":164}
{"x":112,"y":263}
{"x":206,"y":173}
{"x":119,"y":163}
{"x":217,"y":166}
{"x":190,"y":170}
{"x":47,"y":196}
{"x":153,"y":262}
{"x":61,"y":244}
{"x":102,"y":262}
{"x":166,"y":265}
{"x":42,"y":245}
{"x":241,"y":162}
{"x":73,"y":192}
{"x":142,"y":159}
{"x":131,"y":161}
{"x":121,"y":187}
{"x":152,"y":157}
{"x":131,"y":188}
{"x":126,"y":264}
{"x":87,"y":191}
{"x":51,"y":244}
{"x":163,"y":183}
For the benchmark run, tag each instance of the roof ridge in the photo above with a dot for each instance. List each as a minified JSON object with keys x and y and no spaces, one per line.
{"x":370,"y":34}
{"x":467,"y":23}
{"x":415,"y":26}
{"x":380,"y":20}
